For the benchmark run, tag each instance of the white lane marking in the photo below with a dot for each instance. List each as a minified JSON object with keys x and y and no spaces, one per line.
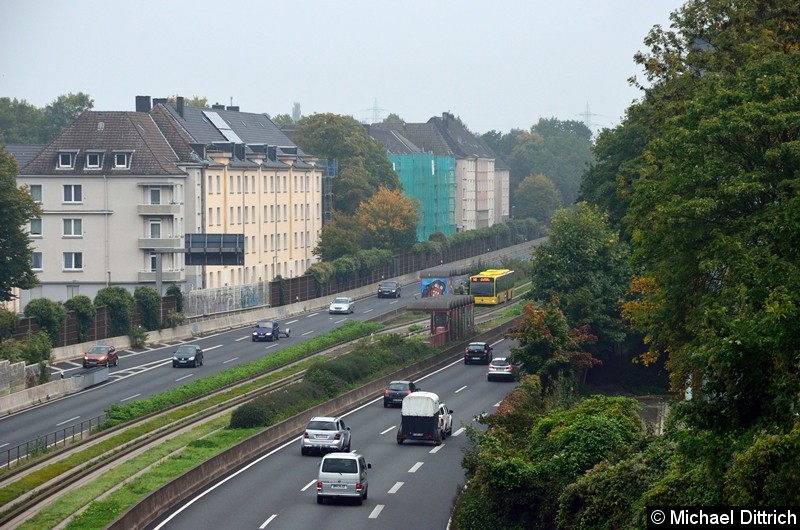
{"x":307,"y":333}
{"x":243,"y":338}
{"x":184,"y":377}
{"x":497,"y":404}
{"x":67,"y":421}
{"x":312,"y":315}
{"x":376,"y":512}
{"x":460,"y":389}
{"x":5,"y":444}
{"x":340,"y":321}
{"x":229,"y":360}
{"x":415,"y":467}
{"x":265,"y":523}
{"x":291,"y":321}
{"x":368,"y":310}
{"x":304,"y":488}
{"x":129,"y":397}
{"x":397,"y":486}
{"x":460,"y":431}
{"x":437,"y":449}
{"x":388,"y":430}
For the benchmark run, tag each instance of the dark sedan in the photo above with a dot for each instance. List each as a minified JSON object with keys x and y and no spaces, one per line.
{"x":187,"y":355}
{"x":268,"y":330}
{"x":396,"y":391}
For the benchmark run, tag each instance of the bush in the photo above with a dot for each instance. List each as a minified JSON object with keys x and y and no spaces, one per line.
{"x":8,"y":323}
{"x":174,"y":319}
{"x":85,"y":312}
{"x":138,"y":337}
{"x":51,"y":316}
{"x":120,"y":305}
{"x":36,"y":348}
{"x":149,"y":302}
{"x":174,"y":290}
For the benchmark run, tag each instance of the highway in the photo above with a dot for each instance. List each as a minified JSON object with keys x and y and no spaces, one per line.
{"x":143,"y":374}
{"x":410,"y":485}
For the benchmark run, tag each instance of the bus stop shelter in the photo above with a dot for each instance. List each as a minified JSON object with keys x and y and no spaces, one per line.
{"x":452,"y":318}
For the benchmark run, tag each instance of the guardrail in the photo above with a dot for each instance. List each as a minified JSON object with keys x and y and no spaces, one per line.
{"x":47,"y":442}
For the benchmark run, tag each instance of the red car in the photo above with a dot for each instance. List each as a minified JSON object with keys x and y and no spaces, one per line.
{"x":100,"y":356}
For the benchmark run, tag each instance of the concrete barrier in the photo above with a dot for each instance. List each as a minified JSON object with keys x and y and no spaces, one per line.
{"x":39,"y":394}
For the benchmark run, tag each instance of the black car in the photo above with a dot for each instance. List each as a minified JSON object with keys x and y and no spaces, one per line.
{"x":389,"y":289}
{"x":396,"y":391}
{"x":478,"y":352}
{"x":187,"y":355}
{"x":268,"y":330}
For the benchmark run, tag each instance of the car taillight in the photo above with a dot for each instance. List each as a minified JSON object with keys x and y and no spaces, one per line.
{"x":338,"y":436}
{"x":408,"y":392}
{"x":319,"y":485}
{"x":358,"y":486}
{"x":305,"y":435}
{"x":386,"y":392}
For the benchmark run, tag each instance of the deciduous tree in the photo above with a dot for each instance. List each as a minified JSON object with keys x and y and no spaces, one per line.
{"x":389,"y":220}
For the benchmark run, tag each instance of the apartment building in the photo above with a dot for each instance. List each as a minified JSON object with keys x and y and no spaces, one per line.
{"x":254,"y":182}
{"x":120,"y":190}
{"x":112,"y":194}
{"x":481,"y":192}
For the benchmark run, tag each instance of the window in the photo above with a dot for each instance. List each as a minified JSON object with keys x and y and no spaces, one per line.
{"x":36,"y":227}
{"x":36,"y":193}
{"x":36,"y":261}
{"x":94,"y":159}
{"x":122,"y":160}
{"x":155,"y":195}
{"x":73,"y":261}
{"x":246,"y":215}
{"x":66,"y":159}
{"x":155,"y":228}
{"x":218,"y":186}
{"x":239,"y":214}
{"x":73,"y":193}
{"x":277,"y":183}
{"x":73,"y":227}
{"x":153,"y":262}
{"x":230,"y":217}
{"x":219,"y":216}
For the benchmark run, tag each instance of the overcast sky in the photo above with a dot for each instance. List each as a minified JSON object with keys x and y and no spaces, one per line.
{"x":496,"y":65}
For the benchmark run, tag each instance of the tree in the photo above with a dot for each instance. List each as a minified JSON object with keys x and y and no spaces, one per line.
{"x":174,"y":290}
{"x":8,"y":323}
{"x":282,"y":119}
{"x":120,"y":305}
{"x":549,"y":348}
{"x":342,"y":237}
{"x":64,"y":110}
{"x":17,"y":208}
{"x":21,"y":122}
{"x":51,"y":317}
{"x":149,"y":302}
{"x":194,"y":101}
{"x":363,"y":166}
{"x":393,"y":118}
{"x":85,"y":312}
{"x":536,"y":197}
{"x":389,"y":220}
{"x":585,"y":265}
{"x":714,"y":219}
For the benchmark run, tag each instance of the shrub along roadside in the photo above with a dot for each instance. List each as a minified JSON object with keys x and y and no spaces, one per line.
{"x":121,"y":413}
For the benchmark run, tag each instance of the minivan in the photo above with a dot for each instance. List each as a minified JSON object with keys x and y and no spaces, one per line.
{"x":343,"y":475}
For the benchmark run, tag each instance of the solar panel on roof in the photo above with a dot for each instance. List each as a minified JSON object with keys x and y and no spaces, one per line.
{"x":222,"y":126}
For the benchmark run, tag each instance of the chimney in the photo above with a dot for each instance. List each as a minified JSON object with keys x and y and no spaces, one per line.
{"x":142,"y":103}
{"x":159,"y":101}
{"x":179,"y":104}
{"x":233,"y":107}
{"x":217,"y":106}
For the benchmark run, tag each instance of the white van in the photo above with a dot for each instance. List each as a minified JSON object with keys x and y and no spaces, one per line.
{"x":343,"y":475}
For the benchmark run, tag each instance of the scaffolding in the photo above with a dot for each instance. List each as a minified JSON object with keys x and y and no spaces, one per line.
{"x":430,"y":179}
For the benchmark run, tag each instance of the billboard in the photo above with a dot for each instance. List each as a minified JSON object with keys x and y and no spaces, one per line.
{"x":214,"y":249}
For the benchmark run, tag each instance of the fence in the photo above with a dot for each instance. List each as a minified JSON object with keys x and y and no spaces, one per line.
{"x":46,"y":442}
{"x":204,"y":302}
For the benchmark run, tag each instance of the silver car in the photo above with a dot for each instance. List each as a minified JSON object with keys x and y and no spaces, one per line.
{"x":343,"y":475}
{"x":324,"y":434}
{"x":342,"y":304}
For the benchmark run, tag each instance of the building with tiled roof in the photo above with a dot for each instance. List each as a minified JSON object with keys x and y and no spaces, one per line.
{"x":481,"y":181}
{"x":256,"y":182}
{"x":112,"y":193}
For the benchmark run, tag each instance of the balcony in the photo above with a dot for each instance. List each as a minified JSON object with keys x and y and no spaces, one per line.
{"x":146,"y":243}
{"x":166,"y":276}
{"x":159,"y":209}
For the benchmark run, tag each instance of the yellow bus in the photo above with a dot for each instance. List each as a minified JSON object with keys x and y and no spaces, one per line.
{"x":492,"y":287}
